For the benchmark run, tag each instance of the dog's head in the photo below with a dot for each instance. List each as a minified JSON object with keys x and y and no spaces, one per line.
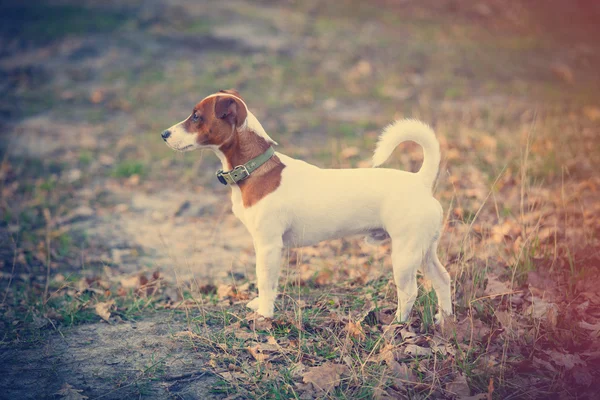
{"x":212,"y":122}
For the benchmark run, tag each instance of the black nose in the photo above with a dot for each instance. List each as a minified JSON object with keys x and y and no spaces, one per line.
{"x":165,"y":134}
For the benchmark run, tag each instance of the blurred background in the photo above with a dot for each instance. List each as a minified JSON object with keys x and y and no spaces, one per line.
{"x":92,"y":200}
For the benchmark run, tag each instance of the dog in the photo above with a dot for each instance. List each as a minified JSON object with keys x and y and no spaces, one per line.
{"x":285,"y":202}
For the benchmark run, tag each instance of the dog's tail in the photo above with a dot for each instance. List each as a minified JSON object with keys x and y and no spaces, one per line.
{"x":417,"y":131}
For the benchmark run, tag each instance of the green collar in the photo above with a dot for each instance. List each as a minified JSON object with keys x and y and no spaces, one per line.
{"x":241,"y":172}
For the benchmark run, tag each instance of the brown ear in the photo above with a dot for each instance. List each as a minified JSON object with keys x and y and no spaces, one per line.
{"x":231,"y":110}
{"x":231,"y":91}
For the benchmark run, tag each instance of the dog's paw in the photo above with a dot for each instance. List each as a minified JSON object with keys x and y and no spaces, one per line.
{"x":253,"y":304}
{"x":267,"y":313}
{"x":441,"y":317}
{"x":401,"y":319}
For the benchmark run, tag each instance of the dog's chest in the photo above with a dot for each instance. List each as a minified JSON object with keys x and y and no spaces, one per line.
{"x":237,"y":205}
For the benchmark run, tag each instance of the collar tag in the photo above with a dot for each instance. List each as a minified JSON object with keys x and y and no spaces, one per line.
{"x":220,"y":177}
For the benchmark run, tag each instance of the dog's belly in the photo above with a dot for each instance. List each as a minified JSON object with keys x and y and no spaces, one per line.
{"x":306,"y":231}
{"x":292,"y":238}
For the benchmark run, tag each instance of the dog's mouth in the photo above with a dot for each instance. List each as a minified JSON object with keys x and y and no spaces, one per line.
{"x":184,"y":148}
{"x":180,"y":149}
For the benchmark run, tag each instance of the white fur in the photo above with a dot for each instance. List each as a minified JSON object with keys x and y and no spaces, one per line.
{"x":180,"y":139}
{"x":313,"y":204}
{"x":410,"y":129}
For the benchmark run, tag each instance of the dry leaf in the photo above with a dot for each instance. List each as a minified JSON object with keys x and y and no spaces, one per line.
{"x":417,"y":351}
{"x":459,"y":387}
{"x":470,"y":329}
{"x":495,"y":287}
{"x":68,"y":392}
{"x":563,"y":72}
{"x":103,"y":309}
{"x":541,"y":309}
{"x":259,"y":323}
{"x":364,"y":164}
{"x":505,"y":318}
{"x":401,"y":371}
{"x":582,"y":377}
{"x":565,"y":360}
{"x":225,"y":291}
{"x":355,"y":330}
{"x":595,"y":328}
{"x":349,"y":152}
{"x":592,"y":113}
{"x":131,"y":282}
{"x":325,"y":377}
{"x":257,"y":353}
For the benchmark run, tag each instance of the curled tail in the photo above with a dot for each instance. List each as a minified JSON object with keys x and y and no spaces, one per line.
{"x":410,"y":129}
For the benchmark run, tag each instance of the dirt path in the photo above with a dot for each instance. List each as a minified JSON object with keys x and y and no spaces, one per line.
{"x":114,"y":361}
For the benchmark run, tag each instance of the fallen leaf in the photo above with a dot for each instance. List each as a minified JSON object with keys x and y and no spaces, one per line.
{"x":272,"y":341}
{"x":592,"y":113}
{"x":582,"y":377}
{"x":131,"y":282}
{"x":257,"y":353}
{"x":355,"y":330}
{"x":349,"y":152}
{"x":225,"y":291}
{"x":441,"y":346}
{"x":325,"y":377}
{"x":417,"y":351}
{"x":385,"y":317}
{"x":544,"y":310}
{"x":97,"y":96}
{"x":364,"y":164}
{"x":401,"y":371}
{"x":505,"y":318}
{"x":495,"y":287}
{"x":459,"y":387}
{"x":595,"y":328}
{"x":565,"y":360}
{"x":563,"y":72}
{"x":68,"y":392}
{"x":470,"y":329}
{"x":259,"y":323}
{"x":103,"y":309}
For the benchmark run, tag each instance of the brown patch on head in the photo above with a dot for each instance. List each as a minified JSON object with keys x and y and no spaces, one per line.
{"x":215,"y":119}
{"x":231,"y":91}
{"x":231,"y":109}
{"x":218,"y":120}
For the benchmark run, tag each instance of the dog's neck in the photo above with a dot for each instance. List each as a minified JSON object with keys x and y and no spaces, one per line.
{"x":241,"y":147}
{"x":244,"y":144}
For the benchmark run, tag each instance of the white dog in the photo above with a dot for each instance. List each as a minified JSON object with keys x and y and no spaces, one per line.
{"x":287,"y":202}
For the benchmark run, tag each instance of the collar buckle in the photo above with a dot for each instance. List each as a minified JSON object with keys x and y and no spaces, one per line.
{"x":240,"y":173}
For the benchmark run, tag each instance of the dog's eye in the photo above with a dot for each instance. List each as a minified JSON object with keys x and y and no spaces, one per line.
{"x":196,"y":117}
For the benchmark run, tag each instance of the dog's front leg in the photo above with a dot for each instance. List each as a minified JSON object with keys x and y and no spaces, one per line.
{"x":268,"y":265}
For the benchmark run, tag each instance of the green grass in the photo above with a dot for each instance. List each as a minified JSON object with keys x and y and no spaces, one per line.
{"x":128,"y":168}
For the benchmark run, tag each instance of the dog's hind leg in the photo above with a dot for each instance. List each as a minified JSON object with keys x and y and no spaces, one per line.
{"x":406,"y":259}
{"x":440,"y":279}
